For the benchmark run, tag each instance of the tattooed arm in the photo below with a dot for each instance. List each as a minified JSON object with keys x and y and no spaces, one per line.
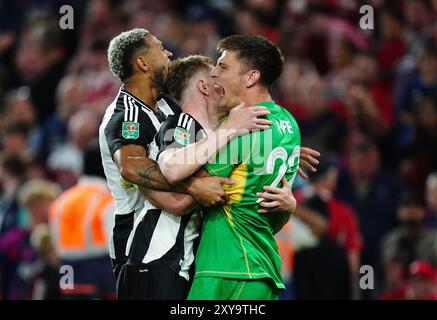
{"x":137,"y":168}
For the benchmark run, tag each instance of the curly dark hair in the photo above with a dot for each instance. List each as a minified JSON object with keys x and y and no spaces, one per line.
{"x":122,"y":49}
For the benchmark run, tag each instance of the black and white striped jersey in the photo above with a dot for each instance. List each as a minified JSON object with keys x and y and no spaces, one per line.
{"x":177,"y":131}
{"x":158,"y":234}
{"x":128,"y":121}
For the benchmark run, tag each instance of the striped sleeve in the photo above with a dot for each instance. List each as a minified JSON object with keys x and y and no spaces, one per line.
{"x":129,"y":124}
{"x":178,"y":132}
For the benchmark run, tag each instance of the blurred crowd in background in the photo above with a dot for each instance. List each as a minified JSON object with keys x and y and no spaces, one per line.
{"x":366,"y":99}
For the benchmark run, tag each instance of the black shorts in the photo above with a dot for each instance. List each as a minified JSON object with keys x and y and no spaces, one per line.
{"x":116,"y":267}
{"x":122,"y":229}
{"x":153,"y":281}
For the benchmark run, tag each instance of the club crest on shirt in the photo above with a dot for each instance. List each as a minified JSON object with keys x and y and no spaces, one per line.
{"x":130,"y":130}
{"x":181,"y":136}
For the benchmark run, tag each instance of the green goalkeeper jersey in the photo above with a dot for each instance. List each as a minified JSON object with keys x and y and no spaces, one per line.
{"x":237,"y":241}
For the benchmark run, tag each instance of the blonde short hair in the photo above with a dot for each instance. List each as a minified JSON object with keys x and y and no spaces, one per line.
{"x":38,"y":189}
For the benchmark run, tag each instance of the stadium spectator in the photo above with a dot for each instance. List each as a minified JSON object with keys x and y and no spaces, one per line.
{"x":410,"y":241}
{"x":374,"y":195}
{"x":410,"y":92}
{"x":19,"y":108}
{"x":431,"y":201}
{"x":28,"y":266}
{"x":422,"y":281}
{"x":15,"y":140}
{"x":369,"y":105}
{"x":366,"y":74}
{"x":200,"y":20}
{"x":66,"y":161}
{"x":341,"y":242}
{"x":40,"y":63}
{"x":395,"y":280}
{"x":289,"y":88}
{"x":330,"y":135}
{"x":97,"y":84}
{"x":53,"y":132}
{"x":420,"y":158}
{"x":81,"y":220}
{"x":392,"y":46}
{"x":12,"y":173}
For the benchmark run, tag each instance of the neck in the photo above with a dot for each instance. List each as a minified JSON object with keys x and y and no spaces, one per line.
{"x":256,"y":95}
{"x":198,"y":109}
{"x":213,"y":117}
{"x":143,"y":89}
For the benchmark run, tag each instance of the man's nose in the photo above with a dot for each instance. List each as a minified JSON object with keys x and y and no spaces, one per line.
{"x":169,"y":54}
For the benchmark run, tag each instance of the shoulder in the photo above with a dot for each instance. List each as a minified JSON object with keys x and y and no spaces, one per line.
{"x":123,"y":109}
{"x":173,"y":121}
{"x":171,"y":103}
{"x":186,"y":121}
{"x":285,"y":116}
{"x":170,"y":122}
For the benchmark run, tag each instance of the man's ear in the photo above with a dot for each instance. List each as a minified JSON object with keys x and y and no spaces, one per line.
{"x":251,"y":77}
{"x":142,"y":64}
{"x":203,"y":87}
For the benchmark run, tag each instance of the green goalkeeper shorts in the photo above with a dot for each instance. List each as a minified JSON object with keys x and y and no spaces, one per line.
{"x":212,"y":288}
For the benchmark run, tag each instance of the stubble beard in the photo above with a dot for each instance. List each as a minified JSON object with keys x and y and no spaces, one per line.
{"x":160,"y":77}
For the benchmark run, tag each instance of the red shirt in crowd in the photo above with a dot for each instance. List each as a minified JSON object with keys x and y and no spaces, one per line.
{"x":343,"y":226}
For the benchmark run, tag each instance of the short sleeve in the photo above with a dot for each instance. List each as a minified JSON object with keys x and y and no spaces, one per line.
{"x":129,"y":124}
{"x":178,"y":131}
{"x":171,"y":103}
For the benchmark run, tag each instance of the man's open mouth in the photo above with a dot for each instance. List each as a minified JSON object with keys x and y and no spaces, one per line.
{"x":220,"y":90}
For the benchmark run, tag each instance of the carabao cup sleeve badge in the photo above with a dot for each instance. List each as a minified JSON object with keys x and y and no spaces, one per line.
{"x":181,"y":136}
{"x":131,"y":130}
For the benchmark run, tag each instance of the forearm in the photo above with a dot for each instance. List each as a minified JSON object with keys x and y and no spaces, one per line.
{"x":146,"y":174}
{"x":172,"y":202}
{"x":354,"y":261}
{"x":317,"y":223}
{"x":137,"y":168}
{"x":179,"y":164}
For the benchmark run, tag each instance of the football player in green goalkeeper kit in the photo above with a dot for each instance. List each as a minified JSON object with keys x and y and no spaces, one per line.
{"x":238,"y":256}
